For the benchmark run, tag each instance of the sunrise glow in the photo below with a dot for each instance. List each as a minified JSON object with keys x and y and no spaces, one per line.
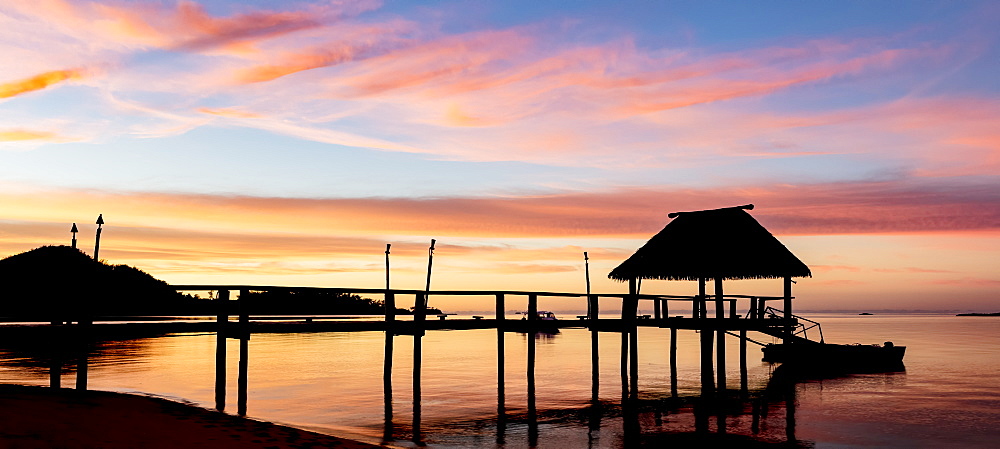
{"x":286,"y":143}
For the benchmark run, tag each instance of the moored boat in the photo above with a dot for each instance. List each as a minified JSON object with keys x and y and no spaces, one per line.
{"x":854,"y":358}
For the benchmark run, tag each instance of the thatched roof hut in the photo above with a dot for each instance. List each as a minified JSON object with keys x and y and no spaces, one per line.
{"x":712,"y":244}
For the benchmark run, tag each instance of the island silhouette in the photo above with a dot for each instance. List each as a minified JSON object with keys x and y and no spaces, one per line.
{"x":62,"y":284}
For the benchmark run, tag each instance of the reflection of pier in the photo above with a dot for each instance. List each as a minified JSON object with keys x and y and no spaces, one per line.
{"x":737,"y":320}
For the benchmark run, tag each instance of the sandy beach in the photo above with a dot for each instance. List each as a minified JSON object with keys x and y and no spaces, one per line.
{"x":40,"y":417}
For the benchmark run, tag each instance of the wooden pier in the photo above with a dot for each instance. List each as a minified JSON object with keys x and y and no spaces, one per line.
{"x":699,"y":246}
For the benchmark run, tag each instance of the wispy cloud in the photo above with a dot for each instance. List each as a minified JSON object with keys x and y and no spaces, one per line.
{"x":818,"y":209}
{"x":15,"y":135}
{"x":38,"y":82}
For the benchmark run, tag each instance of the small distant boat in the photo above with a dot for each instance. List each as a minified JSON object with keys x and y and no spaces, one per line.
{"x":865,"y":313}
{"x":856,"y":358}
{"x":542,"y":315}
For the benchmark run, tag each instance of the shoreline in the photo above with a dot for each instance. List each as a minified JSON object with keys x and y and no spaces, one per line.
{"x":43,"y":417}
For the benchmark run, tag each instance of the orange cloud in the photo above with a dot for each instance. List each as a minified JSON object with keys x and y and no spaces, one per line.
{"x":38,"y":82}
{"x":20,"y":134}
{"x":820,"y":209}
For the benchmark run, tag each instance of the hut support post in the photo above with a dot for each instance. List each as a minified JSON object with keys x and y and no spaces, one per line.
{"x":594,"y":307}
{"x":656,"y":309}
{"x":673,"y":362}
{"x":744,"y":384}
{"x":707,"y":372}
{"x":532,"y":307}
{"x":633,"y":332}
{"x":720,"y":345}
{"x":788,"y":308}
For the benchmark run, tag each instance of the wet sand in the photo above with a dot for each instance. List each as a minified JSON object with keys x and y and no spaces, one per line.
{"x":40,"y":417}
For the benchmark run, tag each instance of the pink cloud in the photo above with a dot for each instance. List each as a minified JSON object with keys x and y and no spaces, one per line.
{"x":183,"y":26}
{"x":976,"y":282}
{"x":819,"y":209}
{"x":822,"y":268}
{"x":914,"y":270}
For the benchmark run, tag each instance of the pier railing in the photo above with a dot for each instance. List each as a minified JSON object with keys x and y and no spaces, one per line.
{"x":754,"y":309}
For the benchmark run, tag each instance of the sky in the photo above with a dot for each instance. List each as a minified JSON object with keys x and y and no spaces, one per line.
{"x":286,"y":143}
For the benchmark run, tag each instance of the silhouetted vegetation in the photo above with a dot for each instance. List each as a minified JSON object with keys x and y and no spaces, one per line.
{"x":62,"y":283}
{"x":312,"y":302}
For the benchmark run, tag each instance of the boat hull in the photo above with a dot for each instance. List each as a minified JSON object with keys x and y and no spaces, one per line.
{"x":837,"y":358}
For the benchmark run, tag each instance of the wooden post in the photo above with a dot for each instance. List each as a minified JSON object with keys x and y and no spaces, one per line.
{"x":788,"y":308}
{"x":419,"y":313}
{"x":595,"y":376}
{"x":501,"y":382}
{"x":532,"y":307}
{"x":531,"y":376}
{"x":418,"y":333}
{"x":744,"y":385}
{"x":532,"y":411}
{"x":241,"y":382}
{"x":656,"y":309}
{"x":720,"y":345}
{"x":388,"y":429}
{"x":221,"y":326}
{"x":82,"y":347}
{"x":665,"y":309}
{"x":594,"y":306}
{"x":633,"y":332}
{"x":83,"y":364}
{"x":707,"y":371}
{"x":732,"y":309}
{"x":624,"y":350}
{"x":55,"y":373}
{"x":673,"y":362}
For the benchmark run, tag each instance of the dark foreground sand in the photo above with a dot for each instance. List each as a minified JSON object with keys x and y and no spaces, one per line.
{"x":39,"y":417}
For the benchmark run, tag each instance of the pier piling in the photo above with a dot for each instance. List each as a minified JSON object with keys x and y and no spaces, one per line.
{"x":720,"y":346}
{"x":221,"y":323}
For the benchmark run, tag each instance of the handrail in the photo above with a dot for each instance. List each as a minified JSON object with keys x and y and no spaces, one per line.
{"x":256,"y":288}
{"x":801,"y":328}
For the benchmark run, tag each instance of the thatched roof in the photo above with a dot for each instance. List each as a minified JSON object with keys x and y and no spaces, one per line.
{"x":720,"y":243}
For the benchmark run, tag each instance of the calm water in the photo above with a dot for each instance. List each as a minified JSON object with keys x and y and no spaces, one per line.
{"x":332,"y":382}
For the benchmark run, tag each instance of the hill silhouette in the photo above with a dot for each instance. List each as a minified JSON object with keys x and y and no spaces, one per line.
{"x":63,"y":283}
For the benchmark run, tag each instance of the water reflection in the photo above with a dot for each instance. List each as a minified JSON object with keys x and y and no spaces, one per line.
{"x":636,"y":418}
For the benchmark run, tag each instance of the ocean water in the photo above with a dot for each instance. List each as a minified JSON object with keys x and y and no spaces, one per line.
{"x":948,"y":395}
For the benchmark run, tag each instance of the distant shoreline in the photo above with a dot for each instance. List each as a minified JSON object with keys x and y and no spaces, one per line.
{"x":979,"y":314}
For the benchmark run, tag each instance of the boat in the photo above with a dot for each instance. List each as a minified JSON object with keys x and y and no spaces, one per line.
{"x":542,"y":315}
{"x":865,"y":313}
{"x":837,"y":358}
